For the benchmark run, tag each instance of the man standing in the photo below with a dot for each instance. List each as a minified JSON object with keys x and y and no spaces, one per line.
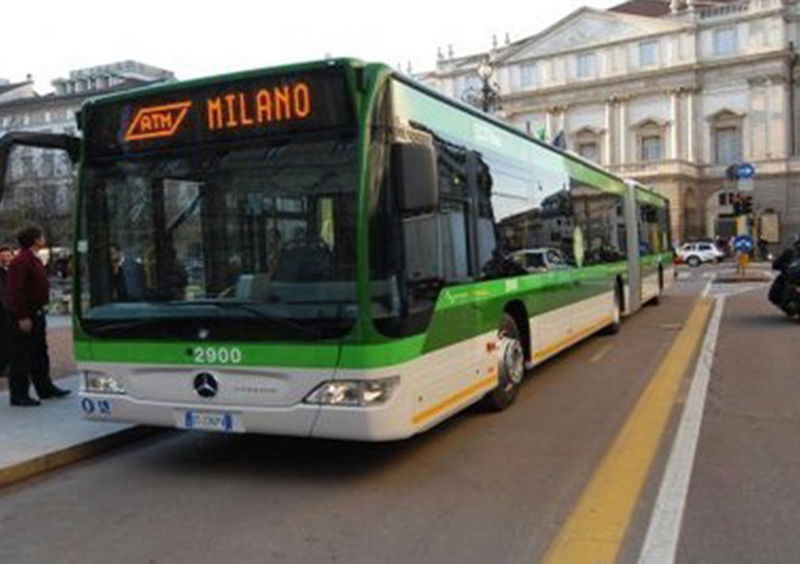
{"x":27,"y":292}
{"x":6,"y":255}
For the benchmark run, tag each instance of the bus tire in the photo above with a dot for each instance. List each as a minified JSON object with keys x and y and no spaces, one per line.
{"x":510,"y":366}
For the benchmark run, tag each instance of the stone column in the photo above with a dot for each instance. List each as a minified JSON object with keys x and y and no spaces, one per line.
{"x":674,"y":137}
{"x":623,"y":156}
{"x":608,"y":146}
{"x":769,"y":144}
{"x":691,"y":127}
{"x":548,"y":125}
{"x":787,"y":118}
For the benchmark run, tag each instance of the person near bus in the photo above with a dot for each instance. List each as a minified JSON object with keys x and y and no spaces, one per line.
{"x":127,"y":276}
{"x":6,"y":256}
{"x":27,"y":293}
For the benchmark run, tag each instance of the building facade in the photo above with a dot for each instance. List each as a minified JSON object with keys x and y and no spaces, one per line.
{"x":40,"y":183}
{"x":669,"y":93}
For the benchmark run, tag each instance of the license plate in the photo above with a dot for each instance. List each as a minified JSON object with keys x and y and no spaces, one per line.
{"x":211,"y":421}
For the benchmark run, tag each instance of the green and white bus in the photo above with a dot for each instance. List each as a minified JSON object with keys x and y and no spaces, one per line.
{"x":333,"y":250}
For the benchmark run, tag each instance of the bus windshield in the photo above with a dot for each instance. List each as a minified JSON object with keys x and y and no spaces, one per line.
{"x":256,"y":242}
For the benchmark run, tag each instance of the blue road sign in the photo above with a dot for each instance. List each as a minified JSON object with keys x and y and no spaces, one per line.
{"x":743,"y":243}
{"x":745,"y":171}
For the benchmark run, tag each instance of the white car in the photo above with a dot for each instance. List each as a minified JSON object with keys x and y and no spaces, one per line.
{"x":540,"y":260}
{"x":695,"y":254}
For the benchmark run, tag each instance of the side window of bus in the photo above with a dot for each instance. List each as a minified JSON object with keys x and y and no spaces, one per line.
{"x":486,"y":235}
{"x":652,"y":236}
{"x":600,"y":235}
{"x":452,"y":170}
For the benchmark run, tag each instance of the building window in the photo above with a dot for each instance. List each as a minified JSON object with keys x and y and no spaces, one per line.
{"x":648,"y":53}
{"x":471,"y":82}
{"x":589,"y":151}
{"x":727,"y":145}
{"x":725,"y":41}
{"x":528,"y":75}
{"x":651,"y":148}
{"x":585,"y":65}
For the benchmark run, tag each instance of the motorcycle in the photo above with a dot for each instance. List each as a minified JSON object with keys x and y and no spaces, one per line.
{"x":785,"y":290}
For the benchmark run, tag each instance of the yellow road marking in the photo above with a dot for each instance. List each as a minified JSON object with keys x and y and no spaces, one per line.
{"x":455,"y":398}
{"x":597,"y":525}
{"x":572,"y":339}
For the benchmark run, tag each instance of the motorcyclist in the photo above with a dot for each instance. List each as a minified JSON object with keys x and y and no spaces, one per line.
{"x":779,"y":292}
{"x":788,"y":255}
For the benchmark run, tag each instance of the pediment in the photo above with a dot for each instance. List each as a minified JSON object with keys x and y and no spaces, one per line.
{"x":584,"y":28}
{"x":650,"y":123}
{"x":588,"y":131}
{"x":725,"y":114}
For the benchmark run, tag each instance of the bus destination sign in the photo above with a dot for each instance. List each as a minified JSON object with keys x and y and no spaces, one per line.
{"x":245,"y":109}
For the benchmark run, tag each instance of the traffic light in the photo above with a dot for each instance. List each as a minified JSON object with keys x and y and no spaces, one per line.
{"x":746,"y":205}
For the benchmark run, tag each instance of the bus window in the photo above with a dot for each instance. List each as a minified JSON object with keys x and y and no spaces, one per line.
{"x":599,"y":216}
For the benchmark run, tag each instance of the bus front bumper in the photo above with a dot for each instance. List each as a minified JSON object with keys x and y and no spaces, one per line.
{"x":378,"y":423}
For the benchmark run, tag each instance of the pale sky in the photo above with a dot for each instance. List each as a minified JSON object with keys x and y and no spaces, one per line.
{"x":200,"y":38}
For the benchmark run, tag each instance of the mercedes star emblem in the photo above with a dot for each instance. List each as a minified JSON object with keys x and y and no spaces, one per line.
{"x":206,"y":385}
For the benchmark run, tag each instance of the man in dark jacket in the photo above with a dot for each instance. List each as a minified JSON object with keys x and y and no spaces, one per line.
{"x":6,"y":255}
{"x":27,"y":292}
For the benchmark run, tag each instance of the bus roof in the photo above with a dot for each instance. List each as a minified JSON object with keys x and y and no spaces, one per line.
{"x":177,"y":85}
{"x":643,"y":193}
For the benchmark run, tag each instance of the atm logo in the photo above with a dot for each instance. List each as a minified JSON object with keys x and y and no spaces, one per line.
{"x":157,"y":121}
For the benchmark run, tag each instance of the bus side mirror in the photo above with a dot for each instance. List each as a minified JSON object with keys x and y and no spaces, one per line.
{"x":67,"y":143}
{"x":414,"y":173}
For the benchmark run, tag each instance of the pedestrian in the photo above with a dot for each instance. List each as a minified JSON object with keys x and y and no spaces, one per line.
{"x":742,"y":262}
{"x":6,"y":255}
{"x":27,"y":293}
{"x":763,"y":249}
{"x":127,"y":276}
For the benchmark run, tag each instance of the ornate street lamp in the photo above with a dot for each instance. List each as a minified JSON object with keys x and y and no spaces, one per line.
{"x":487,"y":98}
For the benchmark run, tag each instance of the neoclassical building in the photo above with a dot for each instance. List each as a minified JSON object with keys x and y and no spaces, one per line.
{"x":670,"y":93}
{"x":40,"y":183}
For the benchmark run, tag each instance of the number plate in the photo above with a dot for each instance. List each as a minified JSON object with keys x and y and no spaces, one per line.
{"x":211,"y":421}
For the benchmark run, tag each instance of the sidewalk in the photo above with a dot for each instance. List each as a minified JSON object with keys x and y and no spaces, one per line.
{"x":37,"y":439}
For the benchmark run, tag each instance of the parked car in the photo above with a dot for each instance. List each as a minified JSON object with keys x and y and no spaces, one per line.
{"x":695,"y":254}
{"x":540,"y":260}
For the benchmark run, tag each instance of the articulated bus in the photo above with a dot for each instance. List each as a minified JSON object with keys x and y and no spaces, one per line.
{"x":333,"y":250}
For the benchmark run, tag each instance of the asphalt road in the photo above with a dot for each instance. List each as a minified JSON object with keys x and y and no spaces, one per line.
{"x":481,"y":488}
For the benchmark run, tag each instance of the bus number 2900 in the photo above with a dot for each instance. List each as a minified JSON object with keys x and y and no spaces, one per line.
{"x":211,"y":355}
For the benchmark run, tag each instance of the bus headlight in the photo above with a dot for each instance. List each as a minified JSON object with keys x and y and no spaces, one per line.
{"x":354,"y":393}
{"x":99,"y":383}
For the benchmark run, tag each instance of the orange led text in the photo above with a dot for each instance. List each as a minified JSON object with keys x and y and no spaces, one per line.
{"x":267,"y":105}
{"x":157,"y":121}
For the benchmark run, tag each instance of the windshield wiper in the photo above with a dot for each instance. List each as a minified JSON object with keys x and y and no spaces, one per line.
{"x":308,"y":331}
{"x":109,"y":325}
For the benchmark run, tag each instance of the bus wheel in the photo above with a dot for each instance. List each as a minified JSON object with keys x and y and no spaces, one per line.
{"x":510,"y":368}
